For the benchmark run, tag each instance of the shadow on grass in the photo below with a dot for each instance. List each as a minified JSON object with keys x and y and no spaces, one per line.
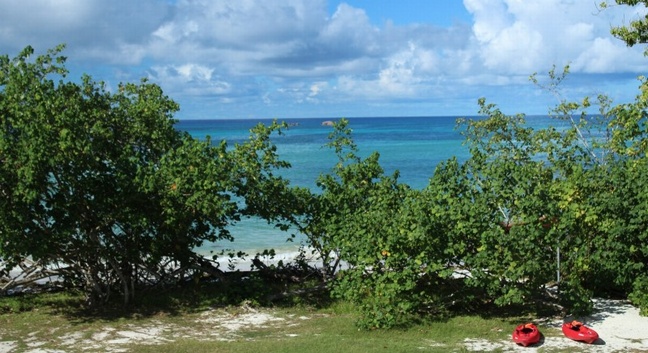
{"x":252,"y":288}
{"x":453,"y":298}
{"x":260,"y":290}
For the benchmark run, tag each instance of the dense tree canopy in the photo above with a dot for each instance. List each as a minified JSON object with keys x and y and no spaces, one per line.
{"x":101,"y":184}
{"x":551,"y":215}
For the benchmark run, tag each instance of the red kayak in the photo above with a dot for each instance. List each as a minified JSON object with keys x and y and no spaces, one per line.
{"x":526,"y":334}
{"x":579,"y":332}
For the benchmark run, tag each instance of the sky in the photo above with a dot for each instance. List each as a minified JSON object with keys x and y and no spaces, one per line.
{"x":258,"y":59}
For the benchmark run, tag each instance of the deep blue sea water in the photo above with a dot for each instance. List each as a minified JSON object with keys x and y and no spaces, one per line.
{"x":412,"y":145}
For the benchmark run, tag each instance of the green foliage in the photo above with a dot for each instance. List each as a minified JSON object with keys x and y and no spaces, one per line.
{"x":499,"y":224}
{"x":639,"y":294}
{"x":100,"y":185}
{"x":574,"y":190}
{"x":529,"y":209}
{"x":636,"y":32}
{"x":368,"y":221}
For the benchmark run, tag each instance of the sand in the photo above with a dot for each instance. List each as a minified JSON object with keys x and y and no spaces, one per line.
{"x":618,"y":324}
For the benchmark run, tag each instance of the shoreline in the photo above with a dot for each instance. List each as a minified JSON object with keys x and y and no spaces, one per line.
{"x":224,"y":263}
{"x":285,"y":252}
{"x":227,"y":264}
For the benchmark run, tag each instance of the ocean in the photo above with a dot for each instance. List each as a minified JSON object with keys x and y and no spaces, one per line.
{"x":412,"y":145}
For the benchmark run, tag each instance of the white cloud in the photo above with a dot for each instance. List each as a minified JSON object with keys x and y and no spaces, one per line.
{"x":349,"y":28}
{"x":192,"y":79}
{"x":515,"y":49}
{"x":490,"y":18}
{"x":604,"y":56}
{"x":205,"y":48}
{"x":316,"y":88}
{"x":240,"y":35}
{"x":171,"y":33}
{"x":113,"y":32}
{"x":52,"y":14}
{"x":517,"y":37}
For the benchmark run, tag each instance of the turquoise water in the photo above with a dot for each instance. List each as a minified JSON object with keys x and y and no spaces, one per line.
{"x":412,"y":145}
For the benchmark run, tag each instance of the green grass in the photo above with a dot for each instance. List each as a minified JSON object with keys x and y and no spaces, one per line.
{"x":335,"y":331}
{"x":194,"y":320}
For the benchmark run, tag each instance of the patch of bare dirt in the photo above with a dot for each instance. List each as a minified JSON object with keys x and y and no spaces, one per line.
{"x":216,"y":324}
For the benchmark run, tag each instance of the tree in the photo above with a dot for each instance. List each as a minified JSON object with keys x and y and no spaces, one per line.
{"x":370,"y":223}
{"x":496,"y":209}
{"x":101,"y":185}
{"x":636,"y":32}
{"x":573,"y":193}
{"x":357,"y":209}
{"x":529,"y":209}
{"x":629,"y":142}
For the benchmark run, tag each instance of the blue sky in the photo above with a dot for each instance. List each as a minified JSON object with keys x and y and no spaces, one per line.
{"x":441,"y":13}
{"x":316,"y":58}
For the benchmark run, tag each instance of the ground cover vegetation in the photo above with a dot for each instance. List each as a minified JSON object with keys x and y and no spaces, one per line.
{"x":99,"y":189}
{"x":193,"y":320}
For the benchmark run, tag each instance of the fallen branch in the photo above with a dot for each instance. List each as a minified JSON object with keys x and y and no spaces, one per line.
{"x":29,"y":272}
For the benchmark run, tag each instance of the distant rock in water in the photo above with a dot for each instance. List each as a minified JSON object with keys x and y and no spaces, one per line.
{"x":327,"y":123}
